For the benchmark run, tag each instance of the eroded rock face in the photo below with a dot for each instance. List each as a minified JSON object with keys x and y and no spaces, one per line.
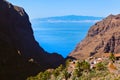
{"x":20,"y":54}
{"x":103,"y":37}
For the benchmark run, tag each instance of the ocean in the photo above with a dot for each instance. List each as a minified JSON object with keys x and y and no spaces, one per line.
{"x":60,"y":37}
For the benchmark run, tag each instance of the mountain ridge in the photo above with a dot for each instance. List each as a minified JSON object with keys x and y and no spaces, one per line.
{"x":102,"y":37}
{"x":20,"y":54}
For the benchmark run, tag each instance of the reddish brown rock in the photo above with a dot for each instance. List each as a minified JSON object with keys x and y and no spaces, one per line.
{"x":103,"y":37}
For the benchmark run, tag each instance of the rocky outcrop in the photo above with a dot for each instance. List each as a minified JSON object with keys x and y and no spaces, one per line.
{"x":20,"y":54}
{"x":103,"y":37}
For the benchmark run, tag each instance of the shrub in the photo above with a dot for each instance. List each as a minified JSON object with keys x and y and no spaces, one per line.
{"x":85,"y":66}
{"x":112,"y":57}
{"x":66,"y":75}
{"x":100,"y":66}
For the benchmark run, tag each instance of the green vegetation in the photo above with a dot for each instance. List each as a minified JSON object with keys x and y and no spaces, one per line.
{"x":66,"y":75}
{"x":41,"y":76}
{"x":112,"y":57}
{"x":80,"y":71}
{"x":100,"y":66}
{"x":80,"y":67}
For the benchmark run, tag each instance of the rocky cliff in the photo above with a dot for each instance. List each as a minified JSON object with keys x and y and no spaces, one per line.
{"x":20,"y":54}
{"x":103,"y":37}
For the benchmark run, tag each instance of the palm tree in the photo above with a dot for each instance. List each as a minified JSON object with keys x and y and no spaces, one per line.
{"x":112,"y":57}
{"x":66,"y":75}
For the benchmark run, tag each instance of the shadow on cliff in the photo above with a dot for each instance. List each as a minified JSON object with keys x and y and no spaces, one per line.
{"x":20,"y":55}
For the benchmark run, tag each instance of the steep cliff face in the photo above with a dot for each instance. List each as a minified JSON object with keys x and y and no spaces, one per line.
{"x":103,"y":37}
{"x":18,"y":47}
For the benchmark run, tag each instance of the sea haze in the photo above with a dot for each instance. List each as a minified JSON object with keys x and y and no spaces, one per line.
{"x":62,"y":34}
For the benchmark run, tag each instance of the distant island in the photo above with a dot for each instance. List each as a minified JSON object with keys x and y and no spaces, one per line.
{"x":69,"y":18}
{"x":56,"y":34}
{"x":96,"y":57}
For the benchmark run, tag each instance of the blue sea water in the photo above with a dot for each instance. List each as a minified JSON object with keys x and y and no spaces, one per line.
{"x":60,"y":37}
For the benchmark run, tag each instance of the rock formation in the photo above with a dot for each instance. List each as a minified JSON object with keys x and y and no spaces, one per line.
{"x":20,"y":54}
{"x":103,"y":37}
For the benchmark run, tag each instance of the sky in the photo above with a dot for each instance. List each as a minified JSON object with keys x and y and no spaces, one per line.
{"x":49,"y":8}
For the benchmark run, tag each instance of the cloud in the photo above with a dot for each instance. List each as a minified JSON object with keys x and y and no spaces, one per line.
{"x":70,"y":21}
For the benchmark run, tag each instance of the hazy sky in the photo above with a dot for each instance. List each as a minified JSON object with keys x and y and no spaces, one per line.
{"x":47,"y":8}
